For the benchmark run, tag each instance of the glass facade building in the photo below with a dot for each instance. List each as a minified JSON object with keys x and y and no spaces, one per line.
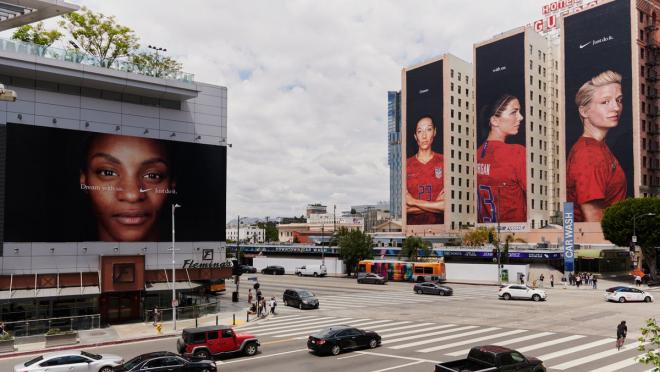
{"x":394,"y":151}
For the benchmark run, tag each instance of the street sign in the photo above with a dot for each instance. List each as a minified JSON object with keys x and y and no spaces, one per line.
{"x":634,"y":239}
{"x":175,"y":303}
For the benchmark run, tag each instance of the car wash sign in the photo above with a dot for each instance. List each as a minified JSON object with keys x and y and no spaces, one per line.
{"x":569,"y":236}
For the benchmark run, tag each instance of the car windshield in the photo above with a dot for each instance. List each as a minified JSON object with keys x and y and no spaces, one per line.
{"x":328,"y":332}
{"x":132,"y":363}
{"x":304,"y":294}
{"x":91,"y":356}
{"x":35,"y":360}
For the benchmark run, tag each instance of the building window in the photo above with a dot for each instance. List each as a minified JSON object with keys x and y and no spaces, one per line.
{"x":452,"y":72}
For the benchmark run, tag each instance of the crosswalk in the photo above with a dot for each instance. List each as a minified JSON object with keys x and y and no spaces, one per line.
{"x":558,"y":351}
{"x":371,"y":299}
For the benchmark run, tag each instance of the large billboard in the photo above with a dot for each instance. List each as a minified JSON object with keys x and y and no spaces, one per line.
{"x":598,"y":116}
{"x":501,"y":153}
{"x":72,"y":186}
{"x":425,"y":166}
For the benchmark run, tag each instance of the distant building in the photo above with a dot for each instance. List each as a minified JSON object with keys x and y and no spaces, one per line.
{"x":394,"y":151}
{"x":318,"y":228}
{"x":316,"y":209}
{"x":247,"y":233}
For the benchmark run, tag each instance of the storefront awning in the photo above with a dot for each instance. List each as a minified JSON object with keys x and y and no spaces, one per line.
{"x":167,"y":286}
{"x":49,"y":292}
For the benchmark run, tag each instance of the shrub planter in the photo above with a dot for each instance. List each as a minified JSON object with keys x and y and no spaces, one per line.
{"x":7,"y":346}
{"x":59,"y":339}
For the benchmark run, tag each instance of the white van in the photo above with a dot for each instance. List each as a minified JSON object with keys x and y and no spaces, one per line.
{"x":315,"y":270}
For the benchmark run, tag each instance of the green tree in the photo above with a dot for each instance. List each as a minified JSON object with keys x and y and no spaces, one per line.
{"x":354,"y":246}
{"x":478,"y":237}
{"x":154,"y":64}
{"x":271,"y":230}
{"x":36,"y":34}
{"x":649,"y":342}
{"x":414,"y":247}
{"x":100,"y":35}
{"x":617,"y":225}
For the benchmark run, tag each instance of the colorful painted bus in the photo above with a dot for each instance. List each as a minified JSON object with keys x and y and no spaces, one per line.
{"x":404,"y":270}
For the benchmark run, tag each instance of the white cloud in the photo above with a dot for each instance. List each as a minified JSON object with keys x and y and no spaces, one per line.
{"x":307,"y":82}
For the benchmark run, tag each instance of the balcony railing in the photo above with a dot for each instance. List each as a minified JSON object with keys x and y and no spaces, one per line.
{"x":68,"y":55}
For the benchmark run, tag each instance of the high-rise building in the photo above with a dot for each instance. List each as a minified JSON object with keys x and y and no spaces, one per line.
{"x":394,"y":151}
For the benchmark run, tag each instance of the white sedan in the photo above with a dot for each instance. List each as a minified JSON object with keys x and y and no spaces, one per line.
{"x":519,"y":291}
{"x":70,"y":361}
{"x":628,"y":294}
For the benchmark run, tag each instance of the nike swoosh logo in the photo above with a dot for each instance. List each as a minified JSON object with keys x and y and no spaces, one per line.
{"x":144,"y":190}
{"x":584,"y":45}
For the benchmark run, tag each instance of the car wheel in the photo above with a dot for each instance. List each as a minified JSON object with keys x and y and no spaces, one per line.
{"x":647,"y":299}
{"x":335,"y":350}
{"x":373,"y":343}
{"x":105,"y":369}
{"x":202,"y":354}
{"x":317,"y":306}
{"x":316,"y":274}
{"x":506,"y":296}
{"x":250,"y":349}
{"x":536,"y":298}
{"x":419,"y":291}
{"x":300,"y":306}
{"x":622,"y":299}
{"x":299,"y":274}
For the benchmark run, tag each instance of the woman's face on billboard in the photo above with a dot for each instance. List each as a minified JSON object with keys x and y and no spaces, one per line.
{"x":605,"y":108}
{"x":509,"y":120}
{"x":127,"y":179}
{"x":424,"y":133}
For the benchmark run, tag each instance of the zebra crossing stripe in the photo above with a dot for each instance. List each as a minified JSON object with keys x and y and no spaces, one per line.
{"x":399,"y":366}
{"x":425,"y":334}
{"x":592,"y":357}
{"x":444,"y":338}
{"x":268,"y":322}
{"x":385,"y":334}
{"x":355,"y":322}
{"x":478,"y":339}
{"x":506,"y":342}
{"x":286,"y":327}
{"x":371,"y":328}
{"x":550,"y":343}
{"x":619,"y":366}
{"x":575,"y":349}
{"x":292,"y":328}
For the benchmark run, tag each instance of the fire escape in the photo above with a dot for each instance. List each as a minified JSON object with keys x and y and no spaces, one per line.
{"x":652,"y":150}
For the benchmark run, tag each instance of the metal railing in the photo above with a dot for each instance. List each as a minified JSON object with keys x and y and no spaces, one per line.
{"x":35,"y":327}
{"x":183,"y":312}
{"x":70,"y":55}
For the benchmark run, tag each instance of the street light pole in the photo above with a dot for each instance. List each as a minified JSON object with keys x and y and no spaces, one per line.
{"x":174,"y":302}
{"x":497,"y":216}
{"x":322,"y":243}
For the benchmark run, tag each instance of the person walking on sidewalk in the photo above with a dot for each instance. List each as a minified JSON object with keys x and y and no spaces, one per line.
{"x":156,"y":312}
{"x":594,"y":281}
{"x":249,"y":296}
{"x":638,"y":281}
{"x":541,"y":278}
{"x":522,"y":279}
{"x":552,"y":280}
{"x":578,"y":281}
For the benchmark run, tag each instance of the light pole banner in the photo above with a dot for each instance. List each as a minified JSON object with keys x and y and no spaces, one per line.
{"x":569,"y":234}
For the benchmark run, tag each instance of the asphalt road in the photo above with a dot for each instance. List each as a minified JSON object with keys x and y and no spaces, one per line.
{"x":572,"y":331}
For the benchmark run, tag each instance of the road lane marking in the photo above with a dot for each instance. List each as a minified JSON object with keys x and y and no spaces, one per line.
{"x":549,"y":343}
{"x":444,"y":338}
{"x":397,"y":367}
{"x":620,"y":366}
{"x":592,"y":357}
{"x":399,"y":357}
{"x":263,"y":356}
{"x":353,"y":323}
{"x":385,"y":334}
{"x":316,"y":325}
{"x":426,"y":334}
{"x":506,"y":342}
{"x":276,"y":321}
{"x":350,"y":356}
{"x":473,"y":340}
{"x":575,"y":349}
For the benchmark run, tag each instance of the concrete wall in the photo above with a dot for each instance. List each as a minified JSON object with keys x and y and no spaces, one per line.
{"x":334,"y":265}
{"x":486,"y":273}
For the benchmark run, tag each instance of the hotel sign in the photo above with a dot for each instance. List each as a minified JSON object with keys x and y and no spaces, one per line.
{"x":557,"y":9}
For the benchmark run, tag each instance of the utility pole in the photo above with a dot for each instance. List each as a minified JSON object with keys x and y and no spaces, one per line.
{"x":322,"y":242}
{"x":174,"y":300}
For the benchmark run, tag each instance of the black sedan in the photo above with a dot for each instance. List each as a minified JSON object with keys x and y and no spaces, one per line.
{"x":336,"y":339}
{"x":248,"y":269}
{"x":161,"y":361}
{"x":371,"y":278}
{"x":273,"y":270}
{"x":432,"y":288}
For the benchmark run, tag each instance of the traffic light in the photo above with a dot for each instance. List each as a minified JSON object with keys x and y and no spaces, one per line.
{"x":236,"y":268}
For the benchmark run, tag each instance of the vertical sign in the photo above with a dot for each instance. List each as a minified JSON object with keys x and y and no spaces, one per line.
{"x":569,"y":234}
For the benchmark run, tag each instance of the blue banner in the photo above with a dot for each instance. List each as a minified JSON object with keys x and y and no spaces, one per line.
{"x":569,"y":235}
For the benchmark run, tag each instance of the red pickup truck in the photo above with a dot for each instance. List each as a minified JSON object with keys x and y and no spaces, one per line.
{"x":204,"y":342}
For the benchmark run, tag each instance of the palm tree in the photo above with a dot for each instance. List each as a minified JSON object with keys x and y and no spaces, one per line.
{"x":505,"y":251}
{"x":413,"y":248}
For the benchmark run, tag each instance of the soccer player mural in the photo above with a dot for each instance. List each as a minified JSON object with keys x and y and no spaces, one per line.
{"x":424,"y":178}
{"x":598,"y":116}
{"x":501,"y":165}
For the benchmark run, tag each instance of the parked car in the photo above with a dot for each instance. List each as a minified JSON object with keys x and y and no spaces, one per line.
{"x":248,"y":269}
{"x":72,"y":360}
{"x":204,"y":342}
{"x":300,"y":298}
{"x":523,"y":292}
{"x":432,"y":288}
{"x":372,"y":278}
{"x":166,"y":361}
{"x":315,"y":270}
{"x":336,"y":339}
{"x":628,"y":294}
{"x":492,"y":358}
{"x":273,"y":270}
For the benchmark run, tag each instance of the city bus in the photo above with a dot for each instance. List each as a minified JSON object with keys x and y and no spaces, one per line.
{"x":403,"y":270}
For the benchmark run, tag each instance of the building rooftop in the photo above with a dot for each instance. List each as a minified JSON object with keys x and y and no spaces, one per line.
{"x":16,"y":13}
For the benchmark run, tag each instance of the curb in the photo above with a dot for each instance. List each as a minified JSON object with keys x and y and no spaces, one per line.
{"x":80,"y":346}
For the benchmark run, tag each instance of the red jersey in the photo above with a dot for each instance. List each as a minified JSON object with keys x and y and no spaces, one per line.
{"x":593,"y":173}
{"x":425,"y":182}
{"x":499,"y":163}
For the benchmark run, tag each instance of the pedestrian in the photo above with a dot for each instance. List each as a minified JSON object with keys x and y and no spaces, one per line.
{"x":594,"y":280}
{"x":272,"y":305}
{"x":621,"y":333}
{"x":264,"y":311}
{"x":156,"y":312}
{"x":541,"y":278}
{"x":578,"y":281}
{"x":522,"y":278}
{"x":638,"y":280}
{"x":249,"y":296}
{"x":552,"y":280}
{"x":2,"y":328}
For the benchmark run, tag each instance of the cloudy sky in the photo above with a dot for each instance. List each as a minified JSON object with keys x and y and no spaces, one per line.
{"x":307,"y":82}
